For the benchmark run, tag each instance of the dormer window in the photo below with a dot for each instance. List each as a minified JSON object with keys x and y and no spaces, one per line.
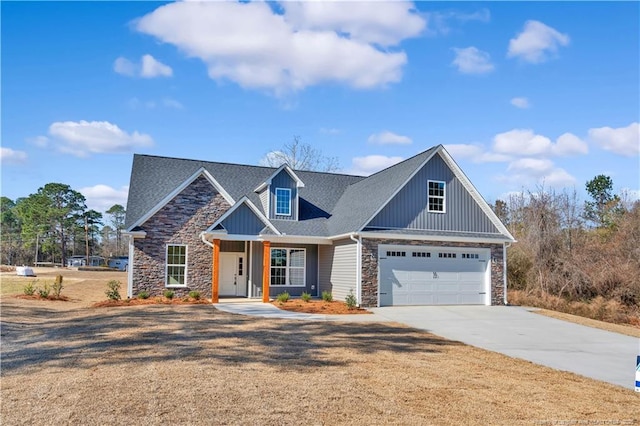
{"x":283,"y":201}
{"x":436,"y":196}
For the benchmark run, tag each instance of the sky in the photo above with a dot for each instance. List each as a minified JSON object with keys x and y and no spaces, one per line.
{"x":524,"y":95}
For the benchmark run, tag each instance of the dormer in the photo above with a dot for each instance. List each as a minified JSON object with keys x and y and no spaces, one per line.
{"x":279,"y":194}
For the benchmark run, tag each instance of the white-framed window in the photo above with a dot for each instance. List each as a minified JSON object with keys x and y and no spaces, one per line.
{"x":176,"y":268}
{"x":283,"y":201}
{"x":436,"y":196}
{"x":288,"y":267}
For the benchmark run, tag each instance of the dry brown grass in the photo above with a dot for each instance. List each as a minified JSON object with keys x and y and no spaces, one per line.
{"x":599,"y":309}
{"x":628,"y":330}
{"x":66,"y":363}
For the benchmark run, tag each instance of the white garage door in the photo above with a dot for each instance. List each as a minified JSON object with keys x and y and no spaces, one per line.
{"x":415,"y":275}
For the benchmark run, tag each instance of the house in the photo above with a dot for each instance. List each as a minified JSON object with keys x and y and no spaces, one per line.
{"x":416,"y":233}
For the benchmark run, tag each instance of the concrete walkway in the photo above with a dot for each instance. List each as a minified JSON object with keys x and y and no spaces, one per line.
{"x":517,"y":332}
{"x":267,"y":310}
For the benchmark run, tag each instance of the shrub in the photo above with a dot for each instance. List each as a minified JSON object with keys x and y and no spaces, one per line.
{"x":194,"y":294}
{"x":113,"y":290}
{"x":57,"y":286}
{"x":169,"y":294}
{"x":30,"y":288}
{"x":327,"y":296}
{"x":283,"y":297}
{"x":351,"y":300}
{"x":144,"y":294}
{"x":44,"y":292}
{"x":305,"y":296}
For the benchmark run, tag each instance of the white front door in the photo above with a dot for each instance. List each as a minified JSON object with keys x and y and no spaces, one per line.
{"x":232,"y":274}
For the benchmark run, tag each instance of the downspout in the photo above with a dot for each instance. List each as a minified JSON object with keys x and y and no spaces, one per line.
{"x":204,"y":240}
{"x":358,"y":242}
{"x":504,"y":270}
{"x":130,"y":268}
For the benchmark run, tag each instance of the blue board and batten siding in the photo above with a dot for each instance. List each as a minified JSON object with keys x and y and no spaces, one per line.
{"x":408,"y":209}
{"x":243,"y":221}
{"x":283,"y":180}
{"x":311,"y":271}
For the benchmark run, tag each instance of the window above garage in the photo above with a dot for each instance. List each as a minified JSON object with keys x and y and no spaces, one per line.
{"x":436,"y":196}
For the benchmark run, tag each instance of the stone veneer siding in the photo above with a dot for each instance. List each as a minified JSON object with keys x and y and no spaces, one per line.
{"x":370,"y":266}
{"x":179,"y":222}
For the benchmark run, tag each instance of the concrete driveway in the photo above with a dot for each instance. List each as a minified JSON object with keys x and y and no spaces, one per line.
{"x":517,"y":332}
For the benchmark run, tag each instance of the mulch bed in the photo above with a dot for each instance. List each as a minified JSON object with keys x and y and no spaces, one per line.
{"x":319,"y":307}
{"x":38,"y":297}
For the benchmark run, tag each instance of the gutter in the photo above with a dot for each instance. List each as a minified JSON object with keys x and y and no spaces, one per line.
{"x":358,"y":242}
{"x":202,"y":237}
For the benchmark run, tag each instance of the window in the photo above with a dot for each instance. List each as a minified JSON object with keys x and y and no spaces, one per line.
{"x":435,"y":192}
{"x":176,"y":265}
{"x":283,"y":201}
{"x":288,"y":267}
{"x":447,"y":255}
{"x":470,"y":256}
{"x":396,"y":253}
{"x":421,"y":254}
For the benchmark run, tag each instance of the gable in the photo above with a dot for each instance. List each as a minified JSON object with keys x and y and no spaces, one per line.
{"x":243,"y":221}
{"x":408,"y":208}
{"x":283,"y":180}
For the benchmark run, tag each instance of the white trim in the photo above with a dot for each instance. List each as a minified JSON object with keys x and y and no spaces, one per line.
{"x":474,"y":193}
{"x":304,"y":268}
{"x":275,"y":194}
{"x":289,"y":170}
{"x":201,"y":171}
{"x":445,"y":238}
{"x":358,"y":242}
{"x":135,"y":234}
{"x":299,"y":239}
{"x":254,"y":209}
{"x":249,"y":269}
{"x":166,"y":266}
{"x":443,"y":197}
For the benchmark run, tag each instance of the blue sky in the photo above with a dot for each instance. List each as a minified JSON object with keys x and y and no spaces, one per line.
{"x":520,"y":93}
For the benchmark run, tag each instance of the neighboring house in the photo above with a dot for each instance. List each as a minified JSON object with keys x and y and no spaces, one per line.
{"x":416,"y":233}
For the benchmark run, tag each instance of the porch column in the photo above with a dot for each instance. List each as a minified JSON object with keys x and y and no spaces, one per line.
{"x":266,"y":267}
{"x":215,"y":272}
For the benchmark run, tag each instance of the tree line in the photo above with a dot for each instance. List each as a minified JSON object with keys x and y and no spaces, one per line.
{"x":572,"y":251}
{"x":55,"y":223}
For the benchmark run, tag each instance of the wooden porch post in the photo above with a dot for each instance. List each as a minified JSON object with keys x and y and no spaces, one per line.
{"x":215,"y":272}
{"x":266,"y":267}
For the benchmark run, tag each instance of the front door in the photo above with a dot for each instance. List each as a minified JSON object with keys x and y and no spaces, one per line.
{"x":232,"y":274}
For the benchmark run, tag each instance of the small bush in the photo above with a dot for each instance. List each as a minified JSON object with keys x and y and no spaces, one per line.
{"x":144,"y":294}
{"x":194,"y":294}
{"x":327,"y":296}
{"x":351,"y":300}
{"x":283,"y":297}
{"x":113,"y":290}
{"x":169,"y":294}
{"x":44,"y":292}
{"x":30,"y":288}
{"x":57,"y":286}
{"x":305,"y":296}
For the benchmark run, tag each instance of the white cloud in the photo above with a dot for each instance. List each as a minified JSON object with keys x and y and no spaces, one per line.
{"x":521,"y":142}
{"x":101,"y":197}
{"x":172,"y":103}
{"x":569,"y":144}
{"x":12,"y":156}
{"x":330,"y":130}
{"x":476,"y":153}
{"x":529,"y":171}
{"x":124,"y":66}
{"x":440,"y":22}
{"x":154,"y":68}
{"x":522,"y":103}
{"x":149,"y":67}
{"x":83,"y":137}
{"x":537,"y":42}
{"x":384,"y":23}
{"x":623,"y":140}
{"x":389,"y":138}
{"x":471,"y":60}
{"x":257,"y":48}
{"x":372,"y":163}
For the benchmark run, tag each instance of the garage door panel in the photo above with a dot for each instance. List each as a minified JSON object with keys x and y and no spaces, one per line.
{"x":408,"y":280}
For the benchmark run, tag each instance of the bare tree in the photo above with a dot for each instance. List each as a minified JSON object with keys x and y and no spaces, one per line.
{"x":301,"y":156}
